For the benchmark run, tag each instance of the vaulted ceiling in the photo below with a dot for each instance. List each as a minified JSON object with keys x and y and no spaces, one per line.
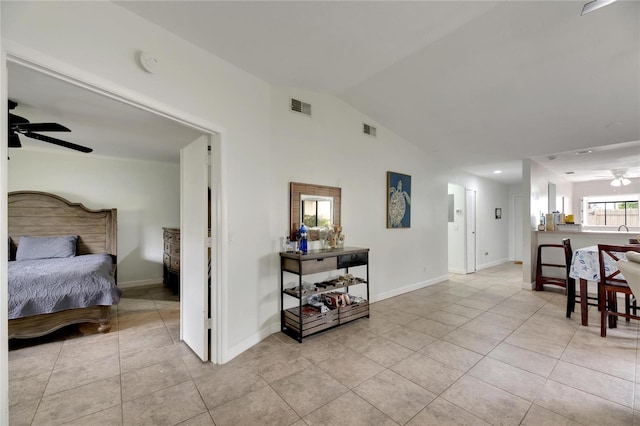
{"x":481,"y":85}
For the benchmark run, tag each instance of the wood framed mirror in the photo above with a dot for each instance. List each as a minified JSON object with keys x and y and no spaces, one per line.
{"x":314,"y":196}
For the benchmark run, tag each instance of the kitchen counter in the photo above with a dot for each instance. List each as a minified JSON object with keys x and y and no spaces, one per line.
{"x":584,"y":238}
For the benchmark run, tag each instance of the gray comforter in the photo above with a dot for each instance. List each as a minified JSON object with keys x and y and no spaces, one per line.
{"x":44,"y":286}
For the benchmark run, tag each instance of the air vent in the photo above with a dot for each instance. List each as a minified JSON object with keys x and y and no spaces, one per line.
{"x":369,"y":130}
{"x":301,"y":107}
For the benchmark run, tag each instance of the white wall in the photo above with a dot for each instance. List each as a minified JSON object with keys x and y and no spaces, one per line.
{"x":329,"y":148}
{"x":264,"y":147}
{"x":190,"y":83}
{"x":537,"y":177}
{"x":540,"y":178}
{"x":492,"y":235}
{"x":146,"y":194}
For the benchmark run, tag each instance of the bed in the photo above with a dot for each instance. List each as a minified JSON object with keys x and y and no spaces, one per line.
{"x":66,"y":268}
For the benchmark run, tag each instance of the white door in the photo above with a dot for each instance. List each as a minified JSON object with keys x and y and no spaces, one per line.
{"x":194,"y":285}
{"x":471,"y":230}
{"x":518,"y":217}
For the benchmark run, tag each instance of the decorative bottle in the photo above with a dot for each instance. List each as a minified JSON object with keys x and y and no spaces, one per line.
{"x":303,"y":239}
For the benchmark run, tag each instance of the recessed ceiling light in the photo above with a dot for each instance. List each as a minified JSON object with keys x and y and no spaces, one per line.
{"x":552,"y":157}
{"x":497,"y":172}
{"x":587,"y":151}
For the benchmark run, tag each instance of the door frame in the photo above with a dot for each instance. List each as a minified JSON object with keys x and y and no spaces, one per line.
{"x":37,"y":61}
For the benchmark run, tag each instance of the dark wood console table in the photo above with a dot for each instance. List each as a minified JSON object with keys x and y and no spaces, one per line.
{"x":303,"y":320}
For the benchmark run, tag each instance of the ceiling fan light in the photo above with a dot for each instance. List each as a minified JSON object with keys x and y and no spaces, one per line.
{"x":615,"y":182}
{"x":594,"y":5}
{"x":625,"y":181}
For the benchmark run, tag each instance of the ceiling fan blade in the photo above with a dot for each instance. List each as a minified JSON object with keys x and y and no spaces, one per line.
{"x":14,"y":141}
{"x":41,"y":127}
{"x":594,"y":5}
{"x":16,"y":120}
{"x":58,"y":142}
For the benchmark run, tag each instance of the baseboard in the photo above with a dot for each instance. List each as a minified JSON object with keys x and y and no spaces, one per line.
{"x":407,"y":289}
{"x":457,"y":271}
{"x":491,"y":264}
{"x":248,"y":343}
{"x":140,"y":283}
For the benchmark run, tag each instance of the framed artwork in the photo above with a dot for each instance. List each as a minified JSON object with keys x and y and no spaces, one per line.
{"x":498,"y":213}
{"x":398,"y":200}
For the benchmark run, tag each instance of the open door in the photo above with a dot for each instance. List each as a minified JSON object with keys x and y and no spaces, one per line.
{"x":471,"y":231}
{"x":518,"y":238}
{"x":194,"y":282}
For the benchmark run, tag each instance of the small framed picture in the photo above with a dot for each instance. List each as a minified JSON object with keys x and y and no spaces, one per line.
{"x":498,"y":213}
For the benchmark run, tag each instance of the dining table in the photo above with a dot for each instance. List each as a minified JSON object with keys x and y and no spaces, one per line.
{"x":585,"y":267}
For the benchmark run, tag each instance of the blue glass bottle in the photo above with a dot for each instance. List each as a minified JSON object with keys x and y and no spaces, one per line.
{"x":303,"y":239}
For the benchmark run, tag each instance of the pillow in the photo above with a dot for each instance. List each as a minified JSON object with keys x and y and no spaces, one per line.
{"x":31,"y":248}
{"x":633,"y":256}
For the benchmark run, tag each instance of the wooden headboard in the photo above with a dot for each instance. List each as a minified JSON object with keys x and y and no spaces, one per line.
{"x":34,"y":213}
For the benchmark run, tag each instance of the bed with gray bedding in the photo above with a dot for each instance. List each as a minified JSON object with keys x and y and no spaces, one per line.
{"x":44,"y":286}
{"x":62,"y":264}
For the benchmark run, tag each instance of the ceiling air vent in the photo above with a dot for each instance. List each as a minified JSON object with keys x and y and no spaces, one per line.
{"x":368,"y":130}
{"x":301,"y":107}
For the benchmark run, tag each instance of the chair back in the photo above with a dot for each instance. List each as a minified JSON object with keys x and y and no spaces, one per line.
{"x":568,"y":255}
{"x":608,"y":255}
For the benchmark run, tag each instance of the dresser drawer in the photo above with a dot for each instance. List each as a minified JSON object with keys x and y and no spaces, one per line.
{"x":311,"y":266}
{"x":175,"y":250}
{"x":175,"y":264}
{"x":166,"y":259}
{"x":167,"y":246}
{"x":353,"y":259}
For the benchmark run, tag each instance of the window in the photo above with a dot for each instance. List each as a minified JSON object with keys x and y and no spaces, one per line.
{"x":316,"y":212}
{"x":611,"y":211}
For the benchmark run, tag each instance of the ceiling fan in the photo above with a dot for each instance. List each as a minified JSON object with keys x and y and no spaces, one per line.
{"x":21,"y":126}
{"x":619,"y":178}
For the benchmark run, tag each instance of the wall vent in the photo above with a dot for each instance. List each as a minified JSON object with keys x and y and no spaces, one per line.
{"x":368,"y":130}
{"x":301,"y":107}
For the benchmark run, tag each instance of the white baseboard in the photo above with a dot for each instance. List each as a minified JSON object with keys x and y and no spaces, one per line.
{"x":140,"y":283}
{"x":236,"y":350}
{"x":457,"y":271}
{"x":491,"y":264}
{"x":407,"y":289}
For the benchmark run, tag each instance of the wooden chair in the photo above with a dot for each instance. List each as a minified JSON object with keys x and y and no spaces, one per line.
{"x":541,"y":265}
{"x":611,"y":284}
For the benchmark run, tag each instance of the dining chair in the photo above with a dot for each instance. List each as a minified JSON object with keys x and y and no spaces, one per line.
{"x":543,"y":275}
{"x":611,"y":283}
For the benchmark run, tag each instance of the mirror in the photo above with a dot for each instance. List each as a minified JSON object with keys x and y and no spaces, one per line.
{"x":316,"y":204}
{"x":317,"y":212}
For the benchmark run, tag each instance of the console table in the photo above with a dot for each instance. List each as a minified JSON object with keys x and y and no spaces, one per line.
{"x":304,"y":320}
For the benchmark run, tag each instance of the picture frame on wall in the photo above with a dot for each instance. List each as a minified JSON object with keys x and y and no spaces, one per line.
{"x":498,"y":213}
{"x":398,"y":200}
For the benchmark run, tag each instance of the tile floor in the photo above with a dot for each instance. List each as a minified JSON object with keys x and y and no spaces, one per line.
{"x":475,"y":350}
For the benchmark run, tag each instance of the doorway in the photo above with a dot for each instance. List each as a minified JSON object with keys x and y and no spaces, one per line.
{"x":518,"y":230}
{"x":216,"y":219}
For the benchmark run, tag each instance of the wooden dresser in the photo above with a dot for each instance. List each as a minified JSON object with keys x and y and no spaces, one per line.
{"x":171,"y":259}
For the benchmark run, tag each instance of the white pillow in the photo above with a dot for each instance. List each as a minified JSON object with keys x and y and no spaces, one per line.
{"x":633,"y":256}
